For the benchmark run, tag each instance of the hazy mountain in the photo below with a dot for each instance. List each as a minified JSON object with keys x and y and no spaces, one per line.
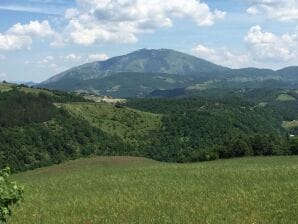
{"x":143,"y":71}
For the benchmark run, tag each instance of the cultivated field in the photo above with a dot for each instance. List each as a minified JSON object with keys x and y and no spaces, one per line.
{"x":135,"y":190}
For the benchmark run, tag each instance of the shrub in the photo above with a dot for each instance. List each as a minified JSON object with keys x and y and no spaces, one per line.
{"x":10,"y":194}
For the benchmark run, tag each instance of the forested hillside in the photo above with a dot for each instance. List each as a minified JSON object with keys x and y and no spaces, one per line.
{"x":202,"y":129}
{"x":40,"y":127}
{"x":34,"y":132}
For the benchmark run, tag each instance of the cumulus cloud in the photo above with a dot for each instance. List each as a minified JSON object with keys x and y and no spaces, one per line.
{"x":122,"y":20}
{"x":281,"y":10}
{"x":264,"y":49}
{"x":10,"y":42}
{"x":98,"y":57}
{"x":222,"y":56}
{"x":20,"y":36}
{"x":33,"y":28}
{"x":268,"y":46}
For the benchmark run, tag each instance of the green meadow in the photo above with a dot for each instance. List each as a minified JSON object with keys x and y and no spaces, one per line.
{"x":136,"y":190}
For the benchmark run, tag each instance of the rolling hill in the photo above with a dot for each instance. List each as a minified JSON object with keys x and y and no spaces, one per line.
{"x":139,"y":73}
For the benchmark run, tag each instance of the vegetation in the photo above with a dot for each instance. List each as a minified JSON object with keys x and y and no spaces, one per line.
{"x":132,"y":126}
{"x":35,"y":133}
{"x":196,"y":129}
{"x":10,"y":194}
{"x":135,"y":190}
{"x":42,"y":129}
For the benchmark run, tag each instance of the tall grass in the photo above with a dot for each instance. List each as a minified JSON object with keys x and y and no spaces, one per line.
{"x":134,"y":190}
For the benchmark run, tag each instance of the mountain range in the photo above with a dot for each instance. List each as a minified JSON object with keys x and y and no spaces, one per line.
{"x":144,"y":71}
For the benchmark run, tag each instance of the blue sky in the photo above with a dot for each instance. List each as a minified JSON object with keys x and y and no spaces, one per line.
{"x":40,"y":38}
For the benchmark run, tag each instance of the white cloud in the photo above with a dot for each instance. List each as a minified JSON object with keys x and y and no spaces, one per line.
{"x":33,"y":28}
{"x":72,"y":57}
{"x":98,"y":57}
{"x":268,"y":46}
{"x":122,"y":20}
{"x":281,"y":10}
{"x":10,"y":42}
{"x":222,"y":56}
{"x":264,"y":49}
{"x":20,"y":36}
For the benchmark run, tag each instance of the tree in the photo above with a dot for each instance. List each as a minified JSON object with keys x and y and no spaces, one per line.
{"x":10,"y":194}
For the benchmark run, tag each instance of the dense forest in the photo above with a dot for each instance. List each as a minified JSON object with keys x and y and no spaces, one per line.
{"x":35,"y":130}
{"x":206,"y":128}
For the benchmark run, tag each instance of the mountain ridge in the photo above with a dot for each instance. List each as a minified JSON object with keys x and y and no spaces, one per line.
{"x":163,"y":69}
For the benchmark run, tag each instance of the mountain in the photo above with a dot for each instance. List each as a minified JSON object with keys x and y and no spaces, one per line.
{"x":141,"y":61}
{"x":290,"y":73}
{"x":139,"y":73}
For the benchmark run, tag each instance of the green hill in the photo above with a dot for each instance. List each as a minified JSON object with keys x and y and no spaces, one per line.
{"x":135,"y":190}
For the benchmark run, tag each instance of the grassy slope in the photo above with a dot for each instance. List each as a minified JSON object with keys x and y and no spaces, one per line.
{"x":129,"y":124}
{"x":136,"y":190}
{"x":8,"y":86}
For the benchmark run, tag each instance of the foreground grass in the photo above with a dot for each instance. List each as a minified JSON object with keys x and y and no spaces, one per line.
{"x":135,"y":190}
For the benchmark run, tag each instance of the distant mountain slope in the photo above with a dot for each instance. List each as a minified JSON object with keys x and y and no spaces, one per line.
{"x":141,"y":61}
{"x":290,"y":73}
{"x":143,"y":71}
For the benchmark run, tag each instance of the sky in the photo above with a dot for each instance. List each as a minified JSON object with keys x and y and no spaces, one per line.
{"x":41,"y":38}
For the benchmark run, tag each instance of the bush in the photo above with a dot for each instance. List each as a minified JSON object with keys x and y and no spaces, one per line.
{"x":10,"y":194}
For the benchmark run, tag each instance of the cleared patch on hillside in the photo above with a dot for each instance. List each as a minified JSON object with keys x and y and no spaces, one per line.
{"x":128,"y":124}
{"x":290,"y":124}
{"x":285,"y":97}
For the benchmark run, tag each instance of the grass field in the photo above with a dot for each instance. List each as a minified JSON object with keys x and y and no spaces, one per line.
{"x":128,"y":124}
{"x":135,"y":190}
